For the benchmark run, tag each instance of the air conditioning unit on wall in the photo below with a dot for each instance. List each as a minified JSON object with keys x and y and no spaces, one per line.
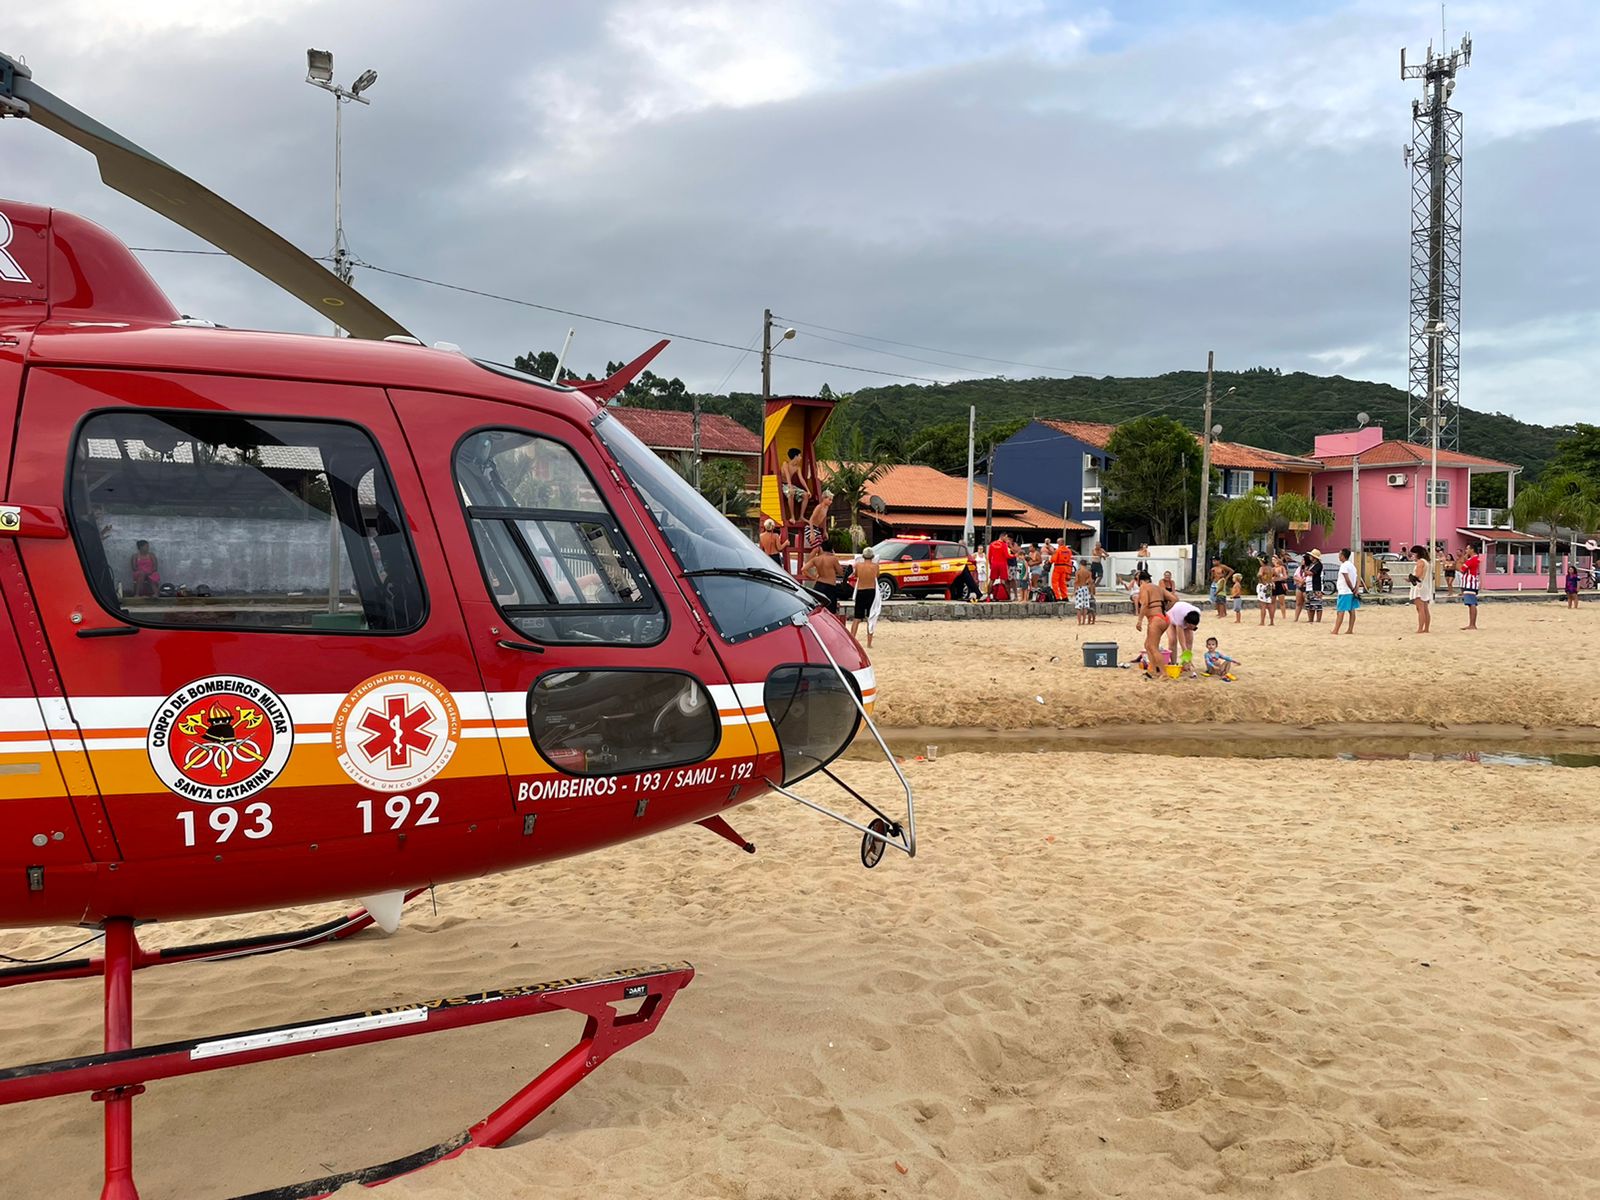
{"x":1397,"y":481}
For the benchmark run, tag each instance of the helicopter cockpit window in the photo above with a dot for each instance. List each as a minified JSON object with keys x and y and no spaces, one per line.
{"x":553,"y":556}
{"x":219,"y":521}
{"x":612,"y":722}
{"x":741,"y":588}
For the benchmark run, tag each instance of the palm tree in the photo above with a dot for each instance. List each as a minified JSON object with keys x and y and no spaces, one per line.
{"x":1240,"y":522}
{"x":1561,"y":500}
{"x":1291,"y":509}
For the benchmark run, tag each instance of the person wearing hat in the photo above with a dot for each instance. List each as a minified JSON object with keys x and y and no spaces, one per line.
{"x":1313,"y":573}
{"x":773,"y":542}
{"x":866,"y":593}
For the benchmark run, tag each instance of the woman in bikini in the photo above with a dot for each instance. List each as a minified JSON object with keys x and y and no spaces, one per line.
{"x":1151,"y":605}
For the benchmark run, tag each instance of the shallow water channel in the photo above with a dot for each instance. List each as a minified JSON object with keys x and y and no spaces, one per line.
{"x":1497,"y":745}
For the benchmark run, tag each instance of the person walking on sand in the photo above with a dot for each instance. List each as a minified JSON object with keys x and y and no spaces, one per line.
{"x":1236,"y":598}
{"x":1449,"y":564}
{"x":1421,"y":580}
{"x":866,"y":594}
{"x":1569,"y":584}
{"x":1348,"y":585}
{"x":1469,"y":573}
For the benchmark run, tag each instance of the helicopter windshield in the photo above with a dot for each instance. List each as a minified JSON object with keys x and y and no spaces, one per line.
{"x":741,"y":600}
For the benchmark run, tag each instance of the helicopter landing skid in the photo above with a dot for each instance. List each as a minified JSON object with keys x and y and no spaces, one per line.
{"x":115,"y":1077}
{"x":246,"y":947}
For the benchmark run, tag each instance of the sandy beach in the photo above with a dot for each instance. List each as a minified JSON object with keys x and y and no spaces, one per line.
{"x":1529,"y":664}
{"x":1103,"y":976}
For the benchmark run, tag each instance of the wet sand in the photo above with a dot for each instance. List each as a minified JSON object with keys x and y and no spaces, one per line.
{"x":1104,"y":975}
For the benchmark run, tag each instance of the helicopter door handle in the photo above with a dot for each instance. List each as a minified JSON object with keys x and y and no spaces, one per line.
{"x":109,"y":631}
{"x":526,"y":647}
{"x":32,"y":520}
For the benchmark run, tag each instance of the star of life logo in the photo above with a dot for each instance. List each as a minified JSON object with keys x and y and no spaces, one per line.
{"x":396,"y":730}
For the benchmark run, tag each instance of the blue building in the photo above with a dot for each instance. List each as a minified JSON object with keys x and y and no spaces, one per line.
{"x":1057,"y":466}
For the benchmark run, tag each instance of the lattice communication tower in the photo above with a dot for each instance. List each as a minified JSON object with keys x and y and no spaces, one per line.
{"x":1434,"y":157}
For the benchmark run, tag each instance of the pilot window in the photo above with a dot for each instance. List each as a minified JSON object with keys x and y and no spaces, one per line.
{"x":553,"y":556}
{"x":219,"y":521}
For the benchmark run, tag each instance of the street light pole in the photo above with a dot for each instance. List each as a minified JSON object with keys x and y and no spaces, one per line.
{"x":319,"y":73}
{"x":1355,"y":503}
{"x":1211,"y":431}
{"x":766,"y":351}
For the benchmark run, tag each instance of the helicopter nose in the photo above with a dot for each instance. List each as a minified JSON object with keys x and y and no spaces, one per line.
{"x":815,"y":707}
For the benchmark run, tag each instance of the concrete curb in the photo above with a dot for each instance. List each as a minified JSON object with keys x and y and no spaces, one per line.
{"x":956,"y":610}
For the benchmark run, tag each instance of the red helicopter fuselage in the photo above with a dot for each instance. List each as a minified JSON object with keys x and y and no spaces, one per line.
{"x":297,"y":618}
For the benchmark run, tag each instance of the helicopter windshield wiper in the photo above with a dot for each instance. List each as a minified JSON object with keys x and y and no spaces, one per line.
{"x":770,"y":578}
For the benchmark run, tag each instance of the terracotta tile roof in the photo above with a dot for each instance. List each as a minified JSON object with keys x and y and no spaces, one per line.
{"x":1223,"y":454}
{"x":914,"y":493}
{"x":1479,"y":533}
{"x":1090,"y":433}
{"x":1398,"y":453}
{"x":1238,"y":456}
{"x":1026,"y":520}
{"x":664,"y":429}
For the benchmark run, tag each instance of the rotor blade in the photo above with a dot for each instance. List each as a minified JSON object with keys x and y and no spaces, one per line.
{"x":604,"y":389}
{"x":139,"y":175}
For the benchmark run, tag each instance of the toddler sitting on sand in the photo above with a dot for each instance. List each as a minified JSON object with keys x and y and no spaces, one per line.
{"x":1218,"y":663}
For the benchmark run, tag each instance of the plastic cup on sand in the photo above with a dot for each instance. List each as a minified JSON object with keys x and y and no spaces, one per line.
{"x":933,"y":753}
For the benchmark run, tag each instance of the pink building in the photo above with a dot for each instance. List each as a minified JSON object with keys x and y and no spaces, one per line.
{"x":1395,"y":505}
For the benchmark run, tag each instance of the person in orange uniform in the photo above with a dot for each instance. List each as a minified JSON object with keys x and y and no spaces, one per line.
{"x":1061,"y":572}
{"x":1000,"y":565}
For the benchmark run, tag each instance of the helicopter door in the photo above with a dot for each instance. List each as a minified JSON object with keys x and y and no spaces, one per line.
{"x":252,"y":621}
{"x":606,"y":693}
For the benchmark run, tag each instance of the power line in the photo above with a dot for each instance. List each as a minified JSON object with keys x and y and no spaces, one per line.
{"x":933,"y":349}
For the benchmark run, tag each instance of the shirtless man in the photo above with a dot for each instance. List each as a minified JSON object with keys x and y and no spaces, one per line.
{"x":822,"y":568}
{"x":1218,"y":591}
{"x":792,"y":489}
{"x":1150,"y":604}
{"x":866,"y":594}
{"x":817,"y":523}
{"x":773,"y":542}
{"x":1083,"y":593}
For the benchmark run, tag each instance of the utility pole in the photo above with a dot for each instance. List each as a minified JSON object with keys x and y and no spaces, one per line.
{"x":1200,"y":560}
{"x":988,"y":506}
{"x":766,"y":352}
{"x":1438,"y":332}
{"x":1183,"y":474}
{"x":972,"y":429}
{"x":695,"y":473}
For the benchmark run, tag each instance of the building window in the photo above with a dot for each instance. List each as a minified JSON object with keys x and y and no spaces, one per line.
{"x":1374,"y":546}
{"x":1330,"y":495}
{"x":219,"y":521}
{"x":1237,"y":483}
{"x":552,"y":554}
{"x":1439,"y":493}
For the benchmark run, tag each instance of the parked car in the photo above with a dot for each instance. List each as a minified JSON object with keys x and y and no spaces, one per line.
{"x":924,"y":566}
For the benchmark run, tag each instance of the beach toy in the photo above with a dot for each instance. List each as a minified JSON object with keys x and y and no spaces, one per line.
{"x":1174,"y":670}
{"x":1186,"y":657}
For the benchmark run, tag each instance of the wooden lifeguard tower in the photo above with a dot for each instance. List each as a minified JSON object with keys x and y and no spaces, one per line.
{"x":792,"y":423}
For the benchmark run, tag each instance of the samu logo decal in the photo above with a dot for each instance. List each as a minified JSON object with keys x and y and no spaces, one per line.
{"x":220,"y":739}
{"x":396,"y":730}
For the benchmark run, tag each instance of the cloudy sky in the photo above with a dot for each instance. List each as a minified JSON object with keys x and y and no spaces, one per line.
{"x":1106,"y":188}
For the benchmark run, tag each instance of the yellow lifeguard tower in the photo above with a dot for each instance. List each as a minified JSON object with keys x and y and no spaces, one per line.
{"x":792,"y":423}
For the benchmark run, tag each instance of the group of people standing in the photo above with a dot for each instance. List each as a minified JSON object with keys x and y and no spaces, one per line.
{"x":1044,"y":571}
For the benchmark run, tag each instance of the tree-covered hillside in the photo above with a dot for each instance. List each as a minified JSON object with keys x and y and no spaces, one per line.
{"x":1268,"y":409}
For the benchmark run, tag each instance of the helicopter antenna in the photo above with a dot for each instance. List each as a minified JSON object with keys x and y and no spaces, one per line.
{"x":140,"y":175}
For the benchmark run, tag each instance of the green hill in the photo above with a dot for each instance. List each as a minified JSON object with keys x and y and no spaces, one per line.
{"x":1267,"y":408}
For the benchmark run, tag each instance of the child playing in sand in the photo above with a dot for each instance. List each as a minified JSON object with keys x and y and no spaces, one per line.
{"x":1218,"y":663}
{"x":1236,"y":599}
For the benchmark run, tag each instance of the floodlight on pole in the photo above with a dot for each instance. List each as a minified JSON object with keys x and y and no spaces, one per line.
{"x":319,"y":73}
{"x":1355,"y":502}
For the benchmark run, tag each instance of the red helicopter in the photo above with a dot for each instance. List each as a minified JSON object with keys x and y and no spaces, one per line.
{"x":295,"y":619}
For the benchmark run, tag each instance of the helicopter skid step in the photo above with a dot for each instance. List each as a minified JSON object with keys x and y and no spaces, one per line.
{"x":268,"y":943}
{"x":118,"y":1075}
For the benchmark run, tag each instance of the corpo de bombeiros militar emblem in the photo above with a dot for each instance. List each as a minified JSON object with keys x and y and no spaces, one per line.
{"x":220,"y":739}
{"x":396,"y":730}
